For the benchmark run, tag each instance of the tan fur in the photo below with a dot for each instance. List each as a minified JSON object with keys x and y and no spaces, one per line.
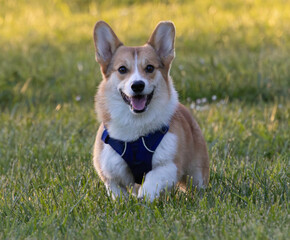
{"x":124,"y":56}
{"x":98,"y":147}
{"x":192,"y":153}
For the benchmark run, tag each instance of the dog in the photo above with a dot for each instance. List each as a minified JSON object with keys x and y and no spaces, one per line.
{"x":147,"y":140}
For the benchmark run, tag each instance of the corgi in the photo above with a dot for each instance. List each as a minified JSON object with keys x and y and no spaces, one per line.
{"x":147,"y":140}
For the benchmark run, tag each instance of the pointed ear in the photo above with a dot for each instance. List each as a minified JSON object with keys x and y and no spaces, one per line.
{"x":162,"y":40}
{"x":106,"y":43}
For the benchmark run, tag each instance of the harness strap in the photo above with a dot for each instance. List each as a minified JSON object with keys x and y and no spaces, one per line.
{"x":152,"y":140}
{"x":117,"y":145}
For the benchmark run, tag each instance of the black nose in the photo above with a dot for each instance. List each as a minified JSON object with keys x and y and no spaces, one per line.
{"x":138,"y":86}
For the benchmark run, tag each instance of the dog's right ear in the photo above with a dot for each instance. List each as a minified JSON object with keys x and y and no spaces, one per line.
{"x":106,"y":43}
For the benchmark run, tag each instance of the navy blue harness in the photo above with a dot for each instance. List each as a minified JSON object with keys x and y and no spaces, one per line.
{"x":137,"y":154}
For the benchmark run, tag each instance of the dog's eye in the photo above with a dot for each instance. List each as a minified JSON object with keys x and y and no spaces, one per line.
{"x":149,"y":69}
{"x":123,"y":70}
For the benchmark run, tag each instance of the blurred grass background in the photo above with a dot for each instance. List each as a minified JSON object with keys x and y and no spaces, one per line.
{"x":235,"y":49}
{"x":231,"y":69}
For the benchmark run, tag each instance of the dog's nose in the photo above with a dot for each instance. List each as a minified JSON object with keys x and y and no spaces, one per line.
{"x":138,"y":86}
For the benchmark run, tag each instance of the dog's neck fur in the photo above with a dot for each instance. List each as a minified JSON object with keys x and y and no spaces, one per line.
{"x":126,"y":126}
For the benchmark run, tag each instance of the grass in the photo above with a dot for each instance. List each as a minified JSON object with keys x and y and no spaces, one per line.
{"x":237,"y":51}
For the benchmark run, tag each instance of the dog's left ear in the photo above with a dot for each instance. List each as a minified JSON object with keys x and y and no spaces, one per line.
{"x":162,"y":40}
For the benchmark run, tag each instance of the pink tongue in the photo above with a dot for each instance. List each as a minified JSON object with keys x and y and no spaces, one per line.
{"x":138,"y":103}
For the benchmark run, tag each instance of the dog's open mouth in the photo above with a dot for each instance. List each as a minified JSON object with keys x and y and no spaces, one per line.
{"x":137,"y":103}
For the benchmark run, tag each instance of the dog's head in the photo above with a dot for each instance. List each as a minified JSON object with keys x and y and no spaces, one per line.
{"x":136,"y":74}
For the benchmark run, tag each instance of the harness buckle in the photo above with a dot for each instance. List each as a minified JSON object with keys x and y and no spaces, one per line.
{"x":164,"y":129}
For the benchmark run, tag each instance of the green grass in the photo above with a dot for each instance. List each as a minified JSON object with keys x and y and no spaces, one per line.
{"x":235,"y":50}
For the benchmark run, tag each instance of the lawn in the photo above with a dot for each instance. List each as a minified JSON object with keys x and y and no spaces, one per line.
{"x":232,"y":70}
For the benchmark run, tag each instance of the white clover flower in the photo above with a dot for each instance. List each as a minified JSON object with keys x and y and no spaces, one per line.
{"x":180,"y":67}
{"x":80,"y":66}
{"x":201,"y":61}
{"x":192,"y":105}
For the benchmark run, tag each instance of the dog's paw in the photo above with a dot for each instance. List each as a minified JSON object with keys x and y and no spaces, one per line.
{"x":146,"y":194}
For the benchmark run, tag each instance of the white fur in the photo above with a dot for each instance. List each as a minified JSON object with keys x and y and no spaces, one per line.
{"x":165,"y":151}
{"x":116,"y":171}
{"x":198,"y":179}
{"x":159,"y":113}
{"x":164,"y":171}
{"x":157,"y":180}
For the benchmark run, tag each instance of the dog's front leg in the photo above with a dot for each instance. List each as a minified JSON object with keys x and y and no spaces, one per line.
{"x":157,"y":180}
{"x":115,"y":172}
